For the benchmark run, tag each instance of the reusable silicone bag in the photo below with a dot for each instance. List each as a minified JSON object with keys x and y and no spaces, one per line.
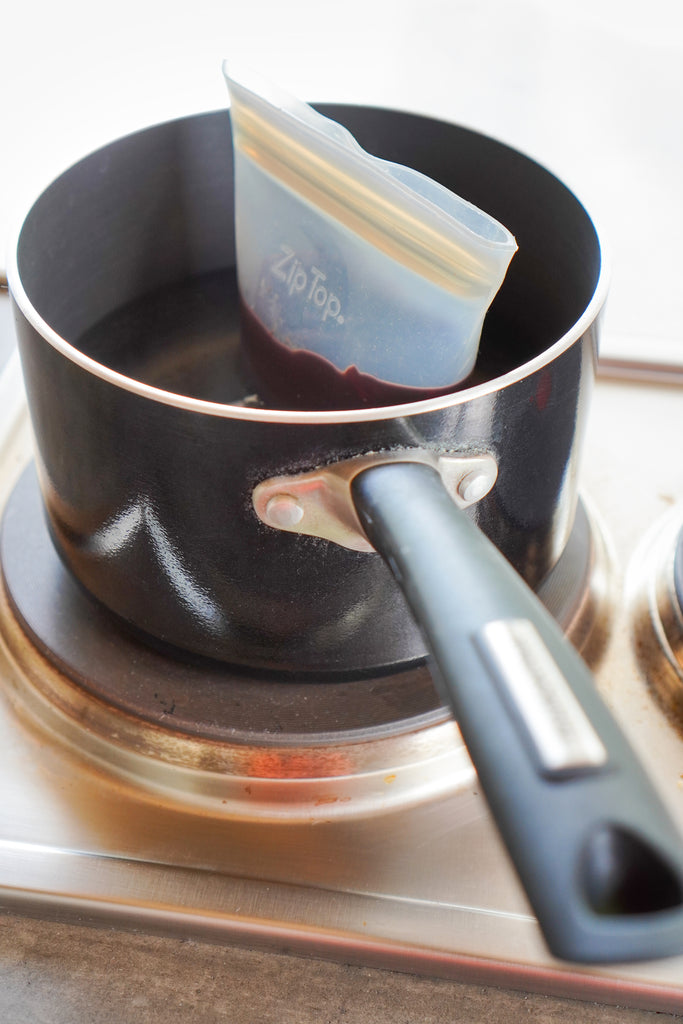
{"x":368,"y":265}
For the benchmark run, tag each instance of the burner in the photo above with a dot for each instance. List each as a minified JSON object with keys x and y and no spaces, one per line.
{"x":211,"y":731}
{"x":655,"y":591}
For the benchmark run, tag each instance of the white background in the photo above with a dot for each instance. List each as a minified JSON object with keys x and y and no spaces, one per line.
{"x":592,"y":89}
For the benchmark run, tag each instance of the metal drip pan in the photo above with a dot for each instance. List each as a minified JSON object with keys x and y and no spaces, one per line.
{"x":248,"y":745}
{"x":656,"y":612}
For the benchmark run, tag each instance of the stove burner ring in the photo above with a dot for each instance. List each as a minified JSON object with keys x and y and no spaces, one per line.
{"x":655,"y":598}
{"x":205,"y":728}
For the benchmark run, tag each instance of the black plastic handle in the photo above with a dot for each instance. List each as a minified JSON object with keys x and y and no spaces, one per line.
{"x":596,"y":851}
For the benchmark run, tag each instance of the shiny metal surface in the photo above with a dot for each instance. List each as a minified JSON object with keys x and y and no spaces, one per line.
{"x":429,"y":889}
{"x":657,"y":614}
{"x":556,"y":726}
{"x":319,"y":503}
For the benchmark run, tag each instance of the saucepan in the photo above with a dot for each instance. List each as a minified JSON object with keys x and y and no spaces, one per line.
{"x":338,"y":544}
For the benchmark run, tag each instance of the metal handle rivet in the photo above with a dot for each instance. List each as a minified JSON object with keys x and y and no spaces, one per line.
{"x":284,"y":511}
{"x":474,"y":486}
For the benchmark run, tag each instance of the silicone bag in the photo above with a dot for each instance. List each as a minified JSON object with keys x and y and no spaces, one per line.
{"x":369,"y":264}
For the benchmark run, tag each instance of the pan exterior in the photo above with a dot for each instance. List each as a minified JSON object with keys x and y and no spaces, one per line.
{"x":148,"y":492}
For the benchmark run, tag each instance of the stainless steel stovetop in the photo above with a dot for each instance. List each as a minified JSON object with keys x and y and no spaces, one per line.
{"x":381,"y":851}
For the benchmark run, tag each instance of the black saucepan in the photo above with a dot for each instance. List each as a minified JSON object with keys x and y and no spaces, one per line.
{"x":251,"y":535}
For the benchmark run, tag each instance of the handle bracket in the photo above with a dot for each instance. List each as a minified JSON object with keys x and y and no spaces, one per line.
{"x":319,"y":503}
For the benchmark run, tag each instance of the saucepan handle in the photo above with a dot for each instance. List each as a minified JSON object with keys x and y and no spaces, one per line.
{"x":596,"y":851}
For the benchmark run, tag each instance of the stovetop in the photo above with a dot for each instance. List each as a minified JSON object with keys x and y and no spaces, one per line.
{"x":393,"y":861}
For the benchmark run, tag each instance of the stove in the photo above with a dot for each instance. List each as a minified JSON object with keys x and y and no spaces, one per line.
{"x":340,"y":821}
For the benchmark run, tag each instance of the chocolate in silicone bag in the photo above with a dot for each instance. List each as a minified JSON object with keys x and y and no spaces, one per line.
{"x":369,"y":265}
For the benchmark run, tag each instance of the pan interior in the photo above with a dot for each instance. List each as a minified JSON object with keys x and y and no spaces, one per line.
{"x":129,"y":255}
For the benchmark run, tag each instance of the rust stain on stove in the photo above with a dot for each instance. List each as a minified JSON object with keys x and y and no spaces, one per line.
{"x":278,"y":764}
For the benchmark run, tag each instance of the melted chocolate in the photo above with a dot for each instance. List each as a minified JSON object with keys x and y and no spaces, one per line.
{"x":288,"y":378}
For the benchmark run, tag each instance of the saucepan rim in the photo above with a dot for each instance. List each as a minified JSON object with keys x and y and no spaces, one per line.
{"x":284,"y":416}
